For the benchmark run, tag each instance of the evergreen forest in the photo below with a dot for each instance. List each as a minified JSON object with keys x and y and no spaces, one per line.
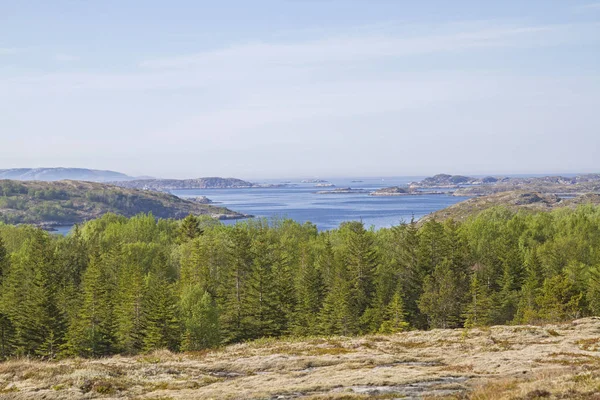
{"x":118,"y":285}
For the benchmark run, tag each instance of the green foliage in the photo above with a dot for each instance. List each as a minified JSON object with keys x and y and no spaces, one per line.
{"x":71,"y":202}
{"x":189,"y":228}
{"x":200,"y":319}
{"x":130,"y":285}
{"x":92,"y":331}
{"x":394,"y":317}
{"x":480,"y":308}
{"x":161,"y":330}
{"x":443,"y":296}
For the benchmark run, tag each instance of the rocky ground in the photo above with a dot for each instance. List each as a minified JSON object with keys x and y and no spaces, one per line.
{"x":502,"y":362}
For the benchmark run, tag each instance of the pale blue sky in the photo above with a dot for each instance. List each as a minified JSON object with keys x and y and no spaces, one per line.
{"x":260,"y":89}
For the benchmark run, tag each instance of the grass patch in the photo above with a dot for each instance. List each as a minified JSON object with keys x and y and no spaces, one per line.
{"x":327,"y":351}
{"x":571,"y":359}
{"x":502,"y":345}
{"x":589,"y":344}
{"x":494,"y":389}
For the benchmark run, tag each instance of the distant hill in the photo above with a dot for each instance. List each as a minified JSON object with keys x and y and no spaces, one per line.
{"x":58,"y":174}
{"x":513,"y":200}
{"x":175,"y":184}
{"x":69,"y":202}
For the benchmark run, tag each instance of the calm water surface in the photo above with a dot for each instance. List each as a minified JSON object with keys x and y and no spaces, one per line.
{"x":301,"y":202}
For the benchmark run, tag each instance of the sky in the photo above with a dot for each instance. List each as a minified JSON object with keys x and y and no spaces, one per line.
{"x":301,"y":88}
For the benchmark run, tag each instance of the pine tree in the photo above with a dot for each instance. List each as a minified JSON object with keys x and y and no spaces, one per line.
{"x":92,"y":332}
{"x":129,"y":309}
{"x":480,"y":308}
{"x":394,"y":318}
{"x":326,"y":262}
{"x":286,"y":298}
{"x":7,"y":337}
{"x":411,"y":273}
{"x":507,"y":298}
{"x":361,"y":262}
{"x":189,"y":228}
{"x":233,"y":301}
{"x":443,"y":297}
{"x":527,"y":311}
{"x":161,"y":323}
{"x":559,"y":300}
{"x":200,"y":319}
{"x":310,"y":290}
{"x":337,"y":315}
{"x":3,"y":260}
{"x":593,"y":291}
{"x":29,"y":300}
{"x":260,"y":295}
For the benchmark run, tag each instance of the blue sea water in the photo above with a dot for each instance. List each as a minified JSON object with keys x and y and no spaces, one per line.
{"x":299,"y":201}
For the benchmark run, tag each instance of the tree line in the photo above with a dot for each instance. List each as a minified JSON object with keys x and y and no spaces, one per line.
{"x":125,"y":286}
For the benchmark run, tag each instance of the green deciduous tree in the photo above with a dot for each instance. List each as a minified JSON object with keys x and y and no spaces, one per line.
{"x":200,"y":319}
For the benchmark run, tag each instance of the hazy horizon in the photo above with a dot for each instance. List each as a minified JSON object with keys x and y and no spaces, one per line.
{"x":342,"y":176}
{"x":285,"y":89}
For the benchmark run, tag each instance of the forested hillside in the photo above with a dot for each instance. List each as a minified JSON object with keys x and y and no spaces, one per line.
{"x":70,"y":202}
{"x":118,"y":285}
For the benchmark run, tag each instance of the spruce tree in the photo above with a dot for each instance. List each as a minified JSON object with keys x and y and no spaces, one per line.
{"x":189,"y":228}
{"x":129,"y":309}
{"x":444,"y":296}
{"x":260,"y":295}
{"x":394,"y":317}
{"x":160,"y":306}
{"x":338,"y":316}
{"x":29,"y":300}
{"x":527,"y":311}
{"x":233,"y":297}
{"x":92,"y":332}
{"x":480,"y":309}
{"x":411,"y":273}
{"x":593,"y":291}
{"x":361,"y":260}
{"x":559,"y":300}
{"x":310,"y":291}
{"x":3,"y":260}
{"x":7,"y":337}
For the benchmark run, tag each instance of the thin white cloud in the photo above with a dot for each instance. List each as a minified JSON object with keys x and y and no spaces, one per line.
{"x":347,"y":48}
{"x":265,"y":64}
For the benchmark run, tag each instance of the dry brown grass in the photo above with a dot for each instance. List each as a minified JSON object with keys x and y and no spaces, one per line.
{"x":525,"y":362}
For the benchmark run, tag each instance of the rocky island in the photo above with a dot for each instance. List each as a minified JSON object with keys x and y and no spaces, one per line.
{"x":393,"y":191}
{"x":313,"y":181}
{"x":471,"y":186}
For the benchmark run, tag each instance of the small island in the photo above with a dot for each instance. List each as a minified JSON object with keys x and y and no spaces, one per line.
{"x":393,"y":191}
{"x":346,"y":190}
{"x":313,"y":181}
{"x":200,"y":199}
{"x":400,"y":191}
